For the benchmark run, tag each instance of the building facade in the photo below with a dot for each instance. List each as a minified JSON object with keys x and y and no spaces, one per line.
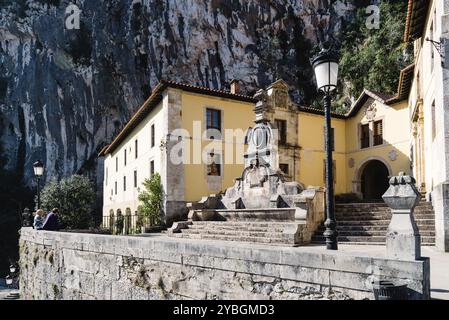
{"x":195,"y":139}
{"x":175,"y":133}
{"x":380,"y":136}
{"x":428,"y":28}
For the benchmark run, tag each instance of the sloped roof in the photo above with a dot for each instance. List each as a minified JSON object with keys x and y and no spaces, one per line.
{"x":416,"y":19}
{"x":321,"y":112}
{"x":367,"y":94}
{"x":404,"y":86}
{"x":156,"y":97}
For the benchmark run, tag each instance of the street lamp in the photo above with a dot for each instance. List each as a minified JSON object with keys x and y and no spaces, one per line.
{"x":38,"y":172}
{"x":9,"y":281}
{"x":13,"y":276}
{"x":325,"y":65}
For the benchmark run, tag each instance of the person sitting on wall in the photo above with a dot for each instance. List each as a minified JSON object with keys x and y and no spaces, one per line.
{"x":52,"y":221}
{"x":38,"y":220}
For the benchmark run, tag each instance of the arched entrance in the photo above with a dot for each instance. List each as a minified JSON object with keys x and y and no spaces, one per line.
{"x":374,"y":180}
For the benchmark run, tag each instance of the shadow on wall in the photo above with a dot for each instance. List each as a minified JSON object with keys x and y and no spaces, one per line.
{"x":14,"y":197}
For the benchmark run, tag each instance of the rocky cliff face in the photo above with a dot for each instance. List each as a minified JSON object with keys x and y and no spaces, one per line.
{"x":65,"y":93}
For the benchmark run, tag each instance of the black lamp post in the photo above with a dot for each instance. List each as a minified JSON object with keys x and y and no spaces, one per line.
{"x":325,"y":65}
{"x":38,"y":172}
{"x":12,"y":278}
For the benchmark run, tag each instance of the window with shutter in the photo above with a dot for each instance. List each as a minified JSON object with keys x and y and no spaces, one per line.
{"x":378,"y":133}
{"x":282,"y":131}
{"x":364,"y":136}
{"x":152,"y":136}
{"x":213,"y":123}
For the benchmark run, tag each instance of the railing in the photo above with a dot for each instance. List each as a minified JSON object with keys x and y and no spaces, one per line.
{"x":131,"y":224}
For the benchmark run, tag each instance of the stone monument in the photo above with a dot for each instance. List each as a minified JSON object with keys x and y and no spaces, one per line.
{"x":403,"y":238}
{"x":262,"y":193}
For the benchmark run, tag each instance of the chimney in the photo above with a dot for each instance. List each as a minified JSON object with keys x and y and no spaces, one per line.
{"x":235,"y":87}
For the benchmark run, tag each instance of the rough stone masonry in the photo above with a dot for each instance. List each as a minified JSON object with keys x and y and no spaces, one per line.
{"x":57,"y":265}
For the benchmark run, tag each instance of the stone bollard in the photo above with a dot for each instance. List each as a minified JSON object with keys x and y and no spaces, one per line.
{"x":403,"y":238}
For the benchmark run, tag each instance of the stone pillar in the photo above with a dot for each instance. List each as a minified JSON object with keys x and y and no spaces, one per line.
{"x":172,"y":175}
{"x":403,"y":239}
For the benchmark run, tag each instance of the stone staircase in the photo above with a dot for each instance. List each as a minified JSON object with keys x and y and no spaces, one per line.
{"x":273,"y":233}
{"x":367,"y":223}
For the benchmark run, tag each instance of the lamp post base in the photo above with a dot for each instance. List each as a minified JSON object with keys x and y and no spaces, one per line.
{"x":331,"y":235}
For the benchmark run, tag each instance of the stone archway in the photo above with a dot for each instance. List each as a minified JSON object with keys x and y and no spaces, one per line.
{"x":373,"y":177}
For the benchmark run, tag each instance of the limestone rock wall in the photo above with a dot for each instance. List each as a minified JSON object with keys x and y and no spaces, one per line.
{"x":83,"y":266}
{"x":65,"y":93}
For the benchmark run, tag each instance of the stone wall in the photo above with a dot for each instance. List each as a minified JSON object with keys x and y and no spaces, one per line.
{"x":85,"y":266}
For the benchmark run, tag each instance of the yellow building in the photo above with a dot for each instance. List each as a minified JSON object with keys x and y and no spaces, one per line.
{"x":168,"y":135}
{"x":371,"y":141}
{"x":380,"y":136}
{"x":195,"y":138}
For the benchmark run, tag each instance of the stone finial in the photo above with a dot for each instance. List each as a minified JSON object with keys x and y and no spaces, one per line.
{"x":402,"y":193}
{"x":261,"y":106}
{"x":403,"y":240}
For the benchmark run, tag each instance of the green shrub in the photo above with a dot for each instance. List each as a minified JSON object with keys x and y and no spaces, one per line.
{"x":74,"y":196}
{"x":152,"y":200}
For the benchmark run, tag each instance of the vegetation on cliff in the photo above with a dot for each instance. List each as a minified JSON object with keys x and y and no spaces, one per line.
{"x":373,"y":58}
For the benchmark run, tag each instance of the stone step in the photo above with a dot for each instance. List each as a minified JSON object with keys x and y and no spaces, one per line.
{"x":386,"y":214}
{"x":238,"y":233}
{"x":429,"y":222}
{"x":373,"y":227}
{"x":234,"y":228}
{"x":254,"y":224}
{"x":376,"y":218}
{"x":359,"y":211}
{"x":367,"y":223}
{"x":380,"y":233}
{"x":424,"y":240}
{"x":355,"y":209}
{"x":371,"y":213}
{"x":377,"y":204}
{"x":275,"y":241}
{"x":372,"y":243}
